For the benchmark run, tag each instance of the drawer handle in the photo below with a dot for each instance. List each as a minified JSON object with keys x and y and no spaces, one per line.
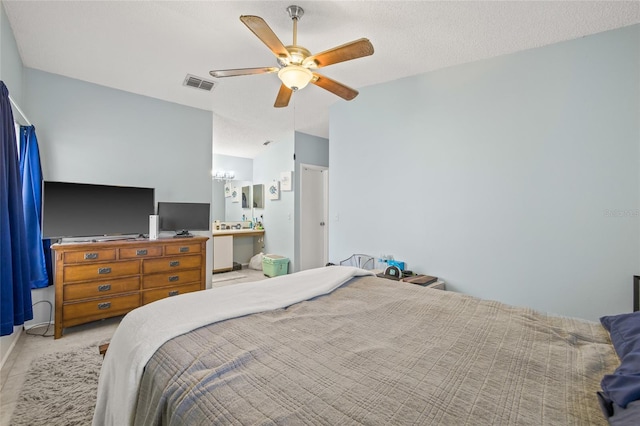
{"x":174,"y":263}
{"x":90,"y":256}
{"x":104,"y":305}
{"x":184,"y":249}
{"x":141,"y":252}
{"x":174,"y":278}
{"x":103,"y":271}
{"x":104,"y":287}
{"x":174,"y":293}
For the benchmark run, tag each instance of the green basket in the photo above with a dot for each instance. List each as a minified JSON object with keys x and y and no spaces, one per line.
{"x":274,"y":265}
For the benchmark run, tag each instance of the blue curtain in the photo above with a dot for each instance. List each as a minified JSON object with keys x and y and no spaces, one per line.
{"x":31,"y":173}
{"x":15,"y":288}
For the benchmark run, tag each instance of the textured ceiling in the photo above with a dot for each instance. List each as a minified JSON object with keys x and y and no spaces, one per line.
{"x":148,"y":47}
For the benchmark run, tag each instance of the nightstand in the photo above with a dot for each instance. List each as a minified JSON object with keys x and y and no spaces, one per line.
{"x":425,"y":281}
{"x":438,"y":285}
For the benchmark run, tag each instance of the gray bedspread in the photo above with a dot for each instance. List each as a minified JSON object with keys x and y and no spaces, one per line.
{"x":381,"y":352}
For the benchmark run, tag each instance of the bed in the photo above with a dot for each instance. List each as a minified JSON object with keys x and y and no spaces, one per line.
{"x":337,"y":345}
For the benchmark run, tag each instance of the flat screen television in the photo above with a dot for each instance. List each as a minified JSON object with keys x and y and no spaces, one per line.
{"x":183,"y":217}
{"x":87,"y":210}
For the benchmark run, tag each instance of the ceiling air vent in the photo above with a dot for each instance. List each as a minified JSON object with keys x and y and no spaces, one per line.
{"x":198,"y":83}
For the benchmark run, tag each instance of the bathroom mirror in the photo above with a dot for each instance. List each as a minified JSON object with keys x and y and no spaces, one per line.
{"x":246,"y":197}
{"x":258,"y":196}
{"x":225,"y":207}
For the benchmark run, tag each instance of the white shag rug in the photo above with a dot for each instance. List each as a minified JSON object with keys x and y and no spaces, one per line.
{"x":60,"y":389}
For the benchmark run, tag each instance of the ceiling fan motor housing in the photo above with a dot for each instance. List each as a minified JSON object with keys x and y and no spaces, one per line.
{"x":295,"y":12}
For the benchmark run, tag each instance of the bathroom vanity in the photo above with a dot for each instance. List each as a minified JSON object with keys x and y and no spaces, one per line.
{"x":224,"y":242}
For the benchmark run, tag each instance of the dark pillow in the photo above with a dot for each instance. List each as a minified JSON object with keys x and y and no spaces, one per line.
{"x":623,"y":386}
{"x":625,"y":332}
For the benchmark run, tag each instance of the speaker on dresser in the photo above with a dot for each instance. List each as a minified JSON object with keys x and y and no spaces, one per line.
{"x":154,"y":225}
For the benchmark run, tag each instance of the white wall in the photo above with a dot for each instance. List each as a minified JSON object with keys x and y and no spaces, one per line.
{"x":500,"y":176}
{"x":11,"y":71}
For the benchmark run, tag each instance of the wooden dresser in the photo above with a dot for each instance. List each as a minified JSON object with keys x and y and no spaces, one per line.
{"x":99,"y":280}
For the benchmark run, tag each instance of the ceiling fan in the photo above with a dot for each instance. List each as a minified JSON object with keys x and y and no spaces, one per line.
{"x":296,"y":63}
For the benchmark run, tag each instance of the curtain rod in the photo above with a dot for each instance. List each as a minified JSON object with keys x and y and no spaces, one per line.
{"x":15,"y":105}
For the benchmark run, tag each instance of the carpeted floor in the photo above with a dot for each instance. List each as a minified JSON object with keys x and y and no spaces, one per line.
{"x":60,"y":389}
{"x":59,"y":386}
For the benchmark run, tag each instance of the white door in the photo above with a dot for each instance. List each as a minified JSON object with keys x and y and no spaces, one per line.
{"x":314,"y":181}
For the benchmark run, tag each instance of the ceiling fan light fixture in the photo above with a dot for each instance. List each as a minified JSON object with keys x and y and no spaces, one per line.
{"x":295,"y":77}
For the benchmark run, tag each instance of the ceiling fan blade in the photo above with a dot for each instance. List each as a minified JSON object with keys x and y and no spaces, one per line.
{"x":242,"y":71}
{"x":346,"y":52}
{"x":284,"y":94}
{"x":345,"y":92}
{"x":260,"y":28}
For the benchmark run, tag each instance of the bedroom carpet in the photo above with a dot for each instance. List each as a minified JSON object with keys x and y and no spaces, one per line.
{"x":31,"y":350}
{"x":60,"y":389}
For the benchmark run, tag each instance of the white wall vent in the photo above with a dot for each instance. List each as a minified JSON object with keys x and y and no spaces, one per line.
{"x":198,"y":83}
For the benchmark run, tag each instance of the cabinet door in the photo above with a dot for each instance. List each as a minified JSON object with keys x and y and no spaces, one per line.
{"x":223,"y":253}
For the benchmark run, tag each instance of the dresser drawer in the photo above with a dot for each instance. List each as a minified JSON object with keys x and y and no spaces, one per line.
{"x":135,"y":253}
{"x":106,"y":307}
{"x":167,"y":264}
{"x":153,"y":295}
{"x":181,"y":249}
{"x":101,"y":288}
{"x":89,"y":256}
{"x":170,"y":278}
{"x":100,"y":271}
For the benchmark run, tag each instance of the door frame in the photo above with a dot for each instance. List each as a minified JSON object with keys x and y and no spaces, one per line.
{"x":325,"y":196}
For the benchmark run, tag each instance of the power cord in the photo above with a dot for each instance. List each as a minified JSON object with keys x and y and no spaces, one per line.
{"x":48,"y":325}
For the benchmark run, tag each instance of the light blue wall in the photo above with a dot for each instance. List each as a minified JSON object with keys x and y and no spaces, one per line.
{"x":309,"y":150}
{"x":233,"y":211}
{"x":93,"y":134}
{"x":243,"y":169}
{"x":514,"y":178}
{"x":278,"y":214}
{"x":11,"y":69}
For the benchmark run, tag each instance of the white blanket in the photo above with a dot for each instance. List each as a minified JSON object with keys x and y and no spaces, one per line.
{"x":145,"y":329}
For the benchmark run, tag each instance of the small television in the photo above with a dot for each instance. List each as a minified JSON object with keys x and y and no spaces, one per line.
{"x":183,"y":217}
{"x":87,"y":210}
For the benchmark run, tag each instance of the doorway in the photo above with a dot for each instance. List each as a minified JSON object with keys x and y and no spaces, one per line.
{"x":314,"y":195}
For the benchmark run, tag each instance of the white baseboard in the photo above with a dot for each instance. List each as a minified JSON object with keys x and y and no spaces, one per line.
{"x":15,"y":336}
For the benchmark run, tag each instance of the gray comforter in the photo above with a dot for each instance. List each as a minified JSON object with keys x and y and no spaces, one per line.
{"x":381,"y":352}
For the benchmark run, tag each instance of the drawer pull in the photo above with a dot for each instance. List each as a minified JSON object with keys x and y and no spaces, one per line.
{"x":141,"y":252}
{"x":184,"y":249}
{"x":174,"y":263}
{"x":174,"y":278}
{"x":103,"y":271}
{"x":104,"y":305}
{"x":104,"y":287}
{"x":90,"y":256}
{"x":174,"y":293}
